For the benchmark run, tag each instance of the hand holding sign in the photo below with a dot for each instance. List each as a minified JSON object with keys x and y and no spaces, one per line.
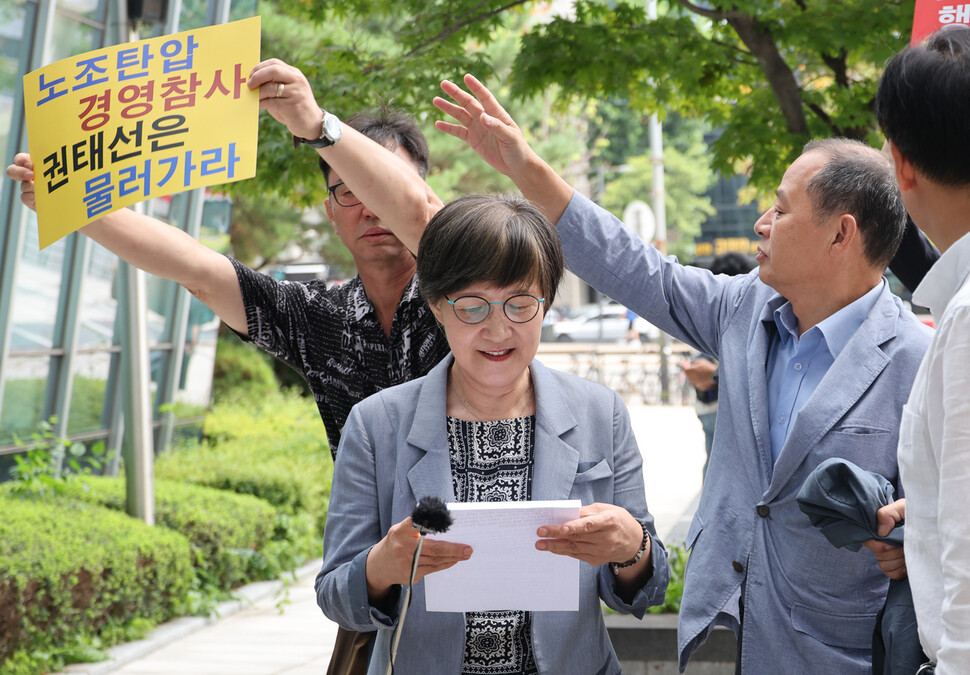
{"x":123,"y":124}
{"x":285,"y":93}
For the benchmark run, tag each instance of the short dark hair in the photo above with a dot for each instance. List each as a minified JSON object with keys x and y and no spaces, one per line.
{"x":923,"y":105}
{"x":859,"y":180}
{"x":393,"y":129}
{"x":495,"y":239}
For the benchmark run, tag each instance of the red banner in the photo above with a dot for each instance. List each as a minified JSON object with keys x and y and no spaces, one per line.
{"x":931,"y":15}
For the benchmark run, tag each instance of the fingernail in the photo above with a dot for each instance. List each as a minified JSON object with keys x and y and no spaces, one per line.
{"x":543,"y":532}
{"x":541,"y":545}
{"x":565,"y":531}
{"x":467,"y":552}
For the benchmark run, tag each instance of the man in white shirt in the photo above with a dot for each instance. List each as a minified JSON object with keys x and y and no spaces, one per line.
{"x":923,"y":107}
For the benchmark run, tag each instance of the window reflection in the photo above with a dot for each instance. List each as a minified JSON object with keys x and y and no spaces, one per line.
{"x":16,"y":27}
{"x":99,"y":301}
{"x":36,"y":291}
{"x":88,"y":392}
{"x":89,"y":9}
{"x":23,"y":397}
{"x":72,"y":37}
{"x":195,"y":380}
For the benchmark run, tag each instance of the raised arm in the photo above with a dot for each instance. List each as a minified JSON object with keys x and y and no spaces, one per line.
{"x":159,"y":249}
{"x":491,"y":132}
{"x":387,"y":184}
{"x":689,"y":303}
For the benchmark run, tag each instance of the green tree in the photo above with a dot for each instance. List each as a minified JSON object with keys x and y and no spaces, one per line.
{"x":770,"y":73}
{"x":686,"y":178}
{"x":358,"y":54}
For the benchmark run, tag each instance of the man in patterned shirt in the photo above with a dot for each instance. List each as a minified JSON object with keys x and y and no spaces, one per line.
{"x":370,"y":333}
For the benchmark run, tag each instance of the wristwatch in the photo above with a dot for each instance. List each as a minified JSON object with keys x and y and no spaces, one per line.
{"x":330,"y":132}
{"x":616,"y":567}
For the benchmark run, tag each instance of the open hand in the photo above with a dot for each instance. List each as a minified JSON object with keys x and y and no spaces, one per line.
{"x":484,"y":125}
{"x":389,"y":562}
{"x":603,"y":533}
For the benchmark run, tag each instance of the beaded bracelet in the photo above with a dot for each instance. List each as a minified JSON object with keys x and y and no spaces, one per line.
{"x":616,"y":567}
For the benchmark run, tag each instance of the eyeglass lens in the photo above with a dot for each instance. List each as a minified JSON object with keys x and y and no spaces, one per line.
{"x":343,"y":195}
{"x":518,"y":308}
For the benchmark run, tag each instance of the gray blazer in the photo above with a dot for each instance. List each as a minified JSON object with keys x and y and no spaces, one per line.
{"x":395,"y":449}
{"x":808,"y":606}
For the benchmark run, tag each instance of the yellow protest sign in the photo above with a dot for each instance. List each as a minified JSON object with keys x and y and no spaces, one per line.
{"x":115,"y":126}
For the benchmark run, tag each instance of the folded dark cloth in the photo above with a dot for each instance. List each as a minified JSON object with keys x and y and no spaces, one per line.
{"x":841,"y":499}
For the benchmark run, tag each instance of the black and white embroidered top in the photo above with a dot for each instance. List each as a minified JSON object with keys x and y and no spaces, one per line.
{"x":491,"y":462}
{"x":335,"y":340}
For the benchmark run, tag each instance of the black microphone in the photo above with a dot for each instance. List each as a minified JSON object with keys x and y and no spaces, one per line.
{"x":431,"y":516}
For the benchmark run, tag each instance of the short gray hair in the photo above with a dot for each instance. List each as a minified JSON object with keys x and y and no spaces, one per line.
{"x":859,"y":180}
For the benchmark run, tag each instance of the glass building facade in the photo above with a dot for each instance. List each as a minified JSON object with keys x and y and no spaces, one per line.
{"x":63,"y":313}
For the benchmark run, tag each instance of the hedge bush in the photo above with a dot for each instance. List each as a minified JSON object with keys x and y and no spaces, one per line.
{"x":70,"y":569}
{"x":289,"y":478}
{"x":272,"y":447}
{"x":284,"y":415}
{"x":239,"y":365}
{"x":229,"y":532}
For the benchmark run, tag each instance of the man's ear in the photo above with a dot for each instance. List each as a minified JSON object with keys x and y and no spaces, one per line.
{"x":846,"y":232}
{"x":905,"y":172}
{"x":326,"y":205}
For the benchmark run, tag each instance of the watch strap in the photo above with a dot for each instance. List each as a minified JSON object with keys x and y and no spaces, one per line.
{"x":324,"y":141}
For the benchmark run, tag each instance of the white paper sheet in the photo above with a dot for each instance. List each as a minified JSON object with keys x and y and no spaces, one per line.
{"x":505,"y":570}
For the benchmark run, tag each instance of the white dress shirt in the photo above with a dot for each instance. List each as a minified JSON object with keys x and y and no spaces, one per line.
{"x":934,"y":465}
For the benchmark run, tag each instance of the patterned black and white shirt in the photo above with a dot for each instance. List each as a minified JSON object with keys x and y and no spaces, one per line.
{"x":493,"y":462}
{"x":335,"y":340}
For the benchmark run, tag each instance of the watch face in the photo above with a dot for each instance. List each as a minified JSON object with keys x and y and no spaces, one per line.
{"x":331,"y":127}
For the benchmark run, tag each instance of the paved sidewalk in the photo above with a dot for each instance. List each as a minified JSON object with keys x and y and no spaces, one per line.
{"x":256,"y":638}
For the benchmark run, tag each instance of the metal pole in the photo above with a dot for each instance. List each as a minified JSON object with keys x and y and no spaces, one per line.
{"x":139,"y":447}
{"x":660,"y":213}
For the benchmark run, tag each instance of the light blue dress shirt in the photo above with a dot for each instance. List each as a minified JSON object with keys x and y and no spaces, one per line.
{"x":796,"y":365}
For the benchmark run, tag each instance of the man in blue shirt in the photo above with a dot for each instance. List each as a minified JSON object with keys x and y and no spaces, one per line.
{"x":817,"y":358}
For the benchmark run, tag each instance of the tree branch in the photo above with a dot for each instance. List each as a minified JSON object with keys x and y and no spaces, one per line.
{"x":837,"y":64}
{"x":714,"y":14}
{"x":824,"y":116}
{"x":735,"y":48}
{"x":455,"y":27}
{"x":758,"y":38}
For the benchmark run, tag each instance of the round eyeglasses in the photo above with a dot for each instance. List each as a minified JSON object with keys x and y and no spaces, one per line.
{"x":473,"y":309}
{"x":343,"y":195}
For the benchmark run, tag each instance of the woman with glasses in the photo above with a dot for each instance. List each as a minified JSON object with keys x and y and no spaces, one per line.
{"x":489,"y":423}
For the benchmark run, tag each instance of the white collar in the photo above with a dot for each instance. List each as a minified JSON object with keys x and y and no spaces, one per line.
{"x":945,"y":278}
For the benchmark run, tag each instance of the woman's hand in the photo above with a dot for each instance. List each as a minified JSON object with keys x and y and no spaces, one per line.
{"x":389,"y":562}
{"x":603,"y":533}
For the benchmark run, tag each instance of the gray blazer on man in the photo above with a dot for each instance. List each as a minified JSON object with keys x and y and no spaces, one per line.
{"x":394,"y":449}
{"x":808,"y":607}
